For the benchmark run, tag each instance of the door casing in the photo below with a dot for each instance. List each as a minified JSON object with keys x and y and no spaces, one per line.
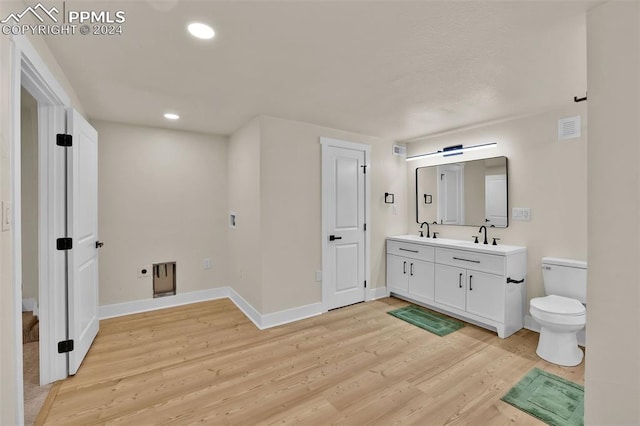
{"x":330,"y":142}
{"x":28,"y":70}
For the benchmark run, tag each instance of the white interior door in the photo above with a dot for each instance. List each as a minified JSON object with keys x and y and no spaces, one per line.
{"x":496,"y":200}
{"x":344,"y":267}
{"x":83,"y":229}
{"x":451,"y":194}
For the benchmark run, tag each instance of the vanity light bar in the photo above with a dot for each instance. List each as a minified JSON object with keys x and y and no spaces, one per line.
{"x":461,"y":150}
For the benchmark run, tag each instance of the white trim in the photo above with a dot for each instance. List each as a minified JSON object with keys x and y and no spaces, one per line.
{"x":345,"y":144}
{"x":263,"y":322}
{"x":29,"y":70}
{"x":146,"y":305}
{"x":246,"y":308}
{"x":330,"y":142}
{"x":377,"y":293}
{"x":290,"y":315}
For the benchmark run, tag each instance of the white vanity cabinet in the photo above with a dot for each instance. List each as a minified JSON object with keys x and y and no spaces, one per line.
{"x":410,"y":270}
{"x":481,"y":284}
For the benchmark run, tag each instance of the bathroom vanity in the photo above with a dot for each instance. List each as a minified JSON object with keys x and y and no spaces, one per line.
{"x":479,"y":283}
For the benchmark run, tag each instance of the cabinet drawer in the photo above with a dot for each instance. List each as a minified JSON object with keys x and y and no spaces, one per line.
{"x":470,"y":260}
{"x":412,"y":251}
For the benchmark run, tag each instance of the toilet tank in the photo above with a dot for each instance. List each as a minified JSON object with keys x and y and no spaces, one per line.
{"x":565,"y":277}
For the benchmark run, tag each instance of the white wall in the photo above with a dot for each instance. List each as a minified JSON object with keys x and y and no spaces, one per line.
{"x":29,"y":190}
{"x":162,"y":197}
{"x":545,"y":175}
{"x":292,"y":208}
{"x":245,"y":275}
{"x":612,"y":377}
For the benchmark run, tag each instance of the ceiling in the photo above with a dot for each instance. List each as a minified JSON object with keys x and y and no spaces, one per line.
{"x":393,"y":69}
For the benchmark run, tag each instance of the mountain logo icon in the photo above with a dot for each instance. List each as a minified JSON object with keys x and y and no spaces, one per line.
{"x":38,"y":11}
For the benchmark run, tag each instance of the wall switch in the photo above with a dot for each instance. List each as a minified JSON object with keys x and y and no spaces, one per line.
{"x":206,"y":263}
{"x":520,"y":213}
{"x":319,"y":276}
{"x":144,"y":271}
{"x":6,"y":216}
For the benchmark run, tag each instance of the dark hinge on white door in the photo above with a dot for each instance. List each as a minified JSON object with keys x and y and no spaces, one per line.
{"x":64,"y":243}
{"x":364,"y":169}
{"x":365,"y":226}
{"x":65,"y":346}
{"x":64,"y":140}
{"x":365,"y":283}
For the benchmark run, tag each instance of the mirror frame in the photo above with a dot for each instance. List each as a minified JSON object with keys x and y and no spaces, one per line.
{"x":506,"y":165}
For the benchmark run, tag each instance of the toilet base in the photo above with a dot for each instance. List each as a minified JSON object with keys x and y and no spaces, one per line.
{"x":559,"y":347}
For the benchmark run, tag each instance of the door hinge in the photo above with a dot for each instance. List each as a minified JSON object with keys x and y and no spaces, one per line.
{"x":64,"y":243}
{"x":364,"y":169}
{"x":365,"y":283}
{"x":365,"y":226}
{"x":64,"y":139}
{"x":65,"y":346}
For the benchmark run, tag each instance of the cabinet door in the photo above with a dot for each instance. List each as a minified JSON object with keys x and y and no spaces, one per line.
{"x":397,"y":273}
{"x":450,"y":286}
{"x":485,"y":296}
{"x":421,"y":279}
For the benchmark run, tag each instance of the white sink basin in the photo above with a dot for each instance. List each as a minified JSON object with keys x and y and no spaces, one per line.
{"x":459,"y":244}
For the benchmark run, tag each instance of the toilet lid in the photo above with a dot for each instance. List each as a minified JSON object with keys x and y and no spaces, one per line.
{"x":558,"y":305}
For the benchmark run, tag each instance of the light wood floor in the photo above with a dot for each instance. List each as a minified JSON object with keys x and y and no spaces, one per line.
{"x":206,"y":363}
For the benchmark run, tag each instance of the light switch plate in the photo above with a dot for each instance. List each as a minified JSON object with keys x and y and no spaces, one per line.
{"x":521,"y":213}
{"x":6,"y":216}
{"x":206,"y":263}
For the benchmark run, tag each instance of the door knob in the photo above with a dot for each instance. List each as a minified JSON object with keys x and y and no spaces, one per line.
{"x":99,"y":244}
{"x":333,"y":238}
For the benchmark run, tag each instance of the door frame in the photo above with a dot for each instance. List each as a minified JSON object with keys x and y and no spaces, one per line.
{"x":28,"y":70}
{"x":326,"y":142}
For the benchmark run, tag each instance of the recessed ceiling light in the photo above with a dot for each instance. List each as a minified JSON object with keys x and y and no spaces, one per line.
{"x":200,"y":30}
{"x":171,"y":116}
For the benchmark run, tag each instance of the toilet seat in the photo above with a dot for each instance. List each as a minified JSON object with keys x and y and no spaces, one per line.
{"x":558,"y":310}
{"x":558,"y":305}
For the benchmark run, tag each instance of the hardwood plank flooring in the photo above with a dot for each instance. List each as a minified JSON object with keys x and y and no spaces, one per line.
{"x":207,"y":363}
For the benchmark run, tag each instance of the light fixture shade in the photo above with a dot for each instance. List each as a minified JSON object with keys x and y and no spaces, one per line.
{"x":171,"y":116}
{"x":201,"y":31}
{"x":455,"y":151}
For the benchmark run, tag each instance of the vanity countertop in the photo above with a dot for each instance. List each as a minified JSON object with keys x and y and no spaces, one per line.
{"x":500,"y":249}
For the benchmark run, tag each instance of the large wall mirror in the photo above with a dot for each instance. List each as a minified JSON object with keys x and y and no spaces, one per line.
{"x":464,"y":193}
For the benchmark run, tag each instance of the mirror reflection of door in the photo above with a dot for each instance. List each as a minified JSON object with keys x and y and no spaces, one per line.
{"x":496,"y":200}
{"x":471,"y":193}
{"x":451,"y":194}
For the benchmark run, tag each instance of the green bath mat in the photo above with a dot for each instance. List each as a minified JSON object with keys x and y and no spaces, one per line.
{"x":552,"y":399}
{"x":430,"y":321}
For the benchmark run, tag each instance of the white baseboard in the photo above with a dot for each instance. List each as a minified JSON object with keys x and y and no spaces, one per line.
{"x":246,"y":308}
{"x":289,"y":315}
{"x":376,"y":293}
{"x":137,"y":306}
{"x":261,"y":321}
{"x":531,"y":324}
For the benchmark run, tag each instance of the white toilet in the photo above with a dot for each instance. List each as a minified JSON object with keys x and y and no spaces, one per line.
{"x":562,"y":313}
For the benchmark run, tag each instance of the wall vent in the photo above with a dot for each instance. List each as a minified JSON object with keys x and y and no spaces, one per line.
{"x":400,"y":150}
{"x":569,"y":128}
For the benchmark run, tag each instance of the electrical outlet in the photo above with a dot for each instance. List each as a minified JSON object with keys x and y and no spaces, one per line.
{"x":206,"y":263}
{"x":144,"y":271}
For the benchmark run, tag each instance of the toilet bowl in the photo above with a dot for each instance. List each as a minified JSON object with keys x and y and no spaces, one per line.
{"x":562,"y":313}
{"x":560,"y":319}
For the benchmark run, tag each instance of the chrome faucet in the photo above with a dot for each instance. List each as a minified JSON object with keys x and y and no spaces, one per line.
{"x":421,"y":232}
{"x":485,"y":233}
